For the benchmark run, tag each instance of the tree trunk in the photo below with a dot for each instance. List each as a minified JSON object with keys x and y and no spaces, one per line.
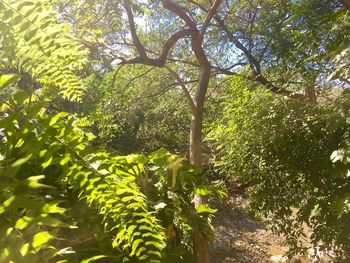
{"x":196,"y":138}
{"x":310,"y":91}
{"x":346,"y":3}
{"x":200,"y":244}
{"x":311,"y":94}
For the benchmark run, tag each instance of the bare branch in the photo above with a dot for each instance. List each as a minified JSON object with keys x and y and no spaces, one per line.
{"x":135,"y":78}
{"x":271,"y":87}
{"x":166,"y":89}
{"x":172,"y":41}
{"x":133,"y":32}
{"x":254,"y":64}
{"x":259,"y":78}
{"x":143,"y":57}
{"x":183,"y":86}
{"x":209,"y":16}
{"x":160,"y":62}
{"x":163,"y":57}
{"x":180,"y":11}
{"x":227,"y":71}
{"x":115,"y":74}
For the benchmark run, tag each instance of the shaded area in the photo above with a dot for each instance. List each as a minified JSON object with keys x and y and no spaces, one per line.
{"x":239,"y":238}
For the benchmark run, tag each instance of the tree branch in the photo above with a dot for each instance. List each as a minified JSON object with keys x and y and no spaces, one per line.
{"x":143,"y":57}
{"x":137,"y":77}
{"x":184,"y":88}
{"x":261,"y":79}
{"x":209,"y":16}
{"x":165,"y":89}
{"x":346,"y":3}
{"x":254,"y":64}
{"x":133,"y":32}
{"x":171,"y":42}
{"x":177,"y":9}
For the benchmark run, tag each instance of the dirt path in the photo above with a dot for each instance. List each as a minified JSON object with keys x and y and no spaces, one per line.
{"x":239,"y":238}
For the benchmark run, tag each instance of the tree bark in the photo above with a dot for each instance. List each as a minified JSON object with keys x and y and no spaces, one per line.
{"x":311,"y":94}
{"x":346,"y":3}
{"x":200,"y":243}
{"x":196,"y":139}
{"x":310,"y":91}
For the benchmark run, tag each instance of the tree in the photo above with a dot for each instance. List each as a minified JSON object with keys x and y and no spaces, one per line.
{"x":192,"y":21}
{"x":207,"y":39}
{"x":37,"y":141}
{"x":286,"y":148}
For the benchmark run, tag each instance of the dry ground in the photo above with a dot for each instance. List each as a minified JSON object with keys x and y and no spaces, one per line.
{"x":241,"y":239}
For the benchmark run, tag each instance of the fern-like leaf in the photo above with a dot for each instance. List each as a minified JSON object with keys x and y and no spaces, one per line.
{"x":34,"y":41}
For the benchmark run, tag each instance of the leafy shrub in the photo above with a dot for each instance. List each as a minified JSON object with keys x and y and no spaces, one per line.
{"x":35,"y":42}
{"x":286,"y":149}
{"x":129,"y":118}
{"x":48,"y":169}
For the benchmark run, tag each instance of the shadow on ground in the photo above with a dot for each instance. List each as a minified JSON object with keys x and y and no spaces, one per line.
{"x":239,"y":238}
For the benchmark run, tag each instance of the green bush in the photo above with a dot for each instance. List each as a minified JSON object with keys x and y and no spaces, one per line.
{"x":55,"y":185}
{"x":287,"y":150}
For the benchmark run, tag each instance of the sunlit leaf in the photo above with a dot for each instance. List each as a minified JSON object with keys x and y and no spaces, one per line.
{"x":41,"y":238}
{"x":8,"y":79}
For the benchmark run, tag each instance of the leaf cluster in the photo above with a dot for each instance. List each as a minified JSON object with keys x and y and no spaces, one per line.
{"x":34,"y":41}
{"x":287,"y":150}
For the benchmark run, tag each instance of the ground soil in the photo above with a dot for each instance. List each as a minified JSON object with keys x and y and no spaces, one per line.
{"x":240,"y":238}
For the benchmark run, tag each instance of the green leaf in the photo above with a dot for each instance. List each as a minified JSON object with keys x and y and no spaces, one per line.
{"x":205,"y":209}
{"x":21,"y":161}
{"x":94,"y":258}
{"x":47,"y":162}
{"x":24,"y":4}
{"x":24,"y":249}
{"x":58,"y":116}
{"x":202,"y":190}
{"x":8,"y":79}
{"x":41,"y":239}
{"x":135,"y":245}
{"x":136,"y":158}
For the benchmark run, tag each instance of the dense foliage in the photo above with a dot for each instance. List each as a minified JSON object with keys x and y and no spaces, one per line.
{"x":288,"y":151}
{"x":35,"y":42}
{"x":47,"y":167}
{"x":93,"y":92}
{"x":134,"y":208}
{"x":148,"y":123}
